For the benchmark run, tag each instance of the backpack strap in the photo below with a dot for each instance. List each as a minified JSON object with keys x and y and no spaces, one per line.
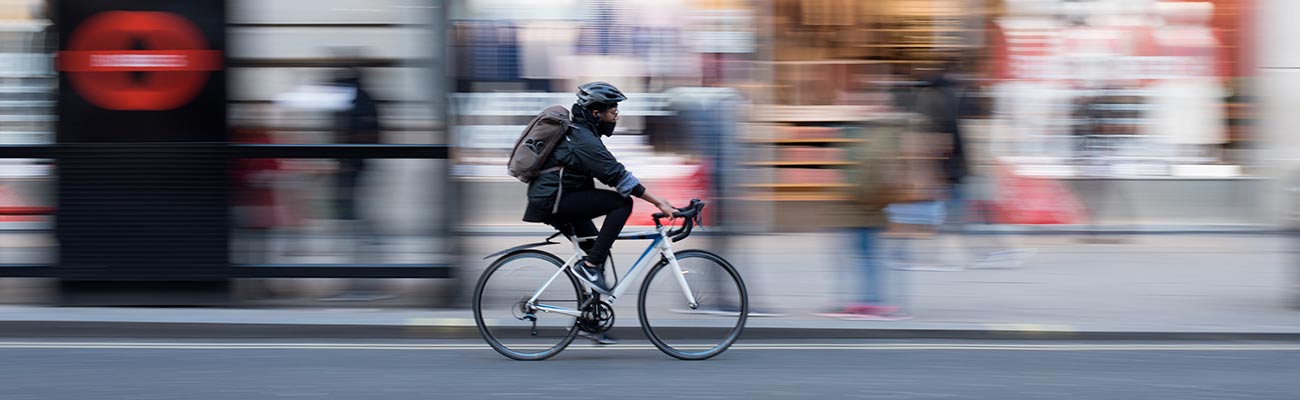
{"x":559,"y":190}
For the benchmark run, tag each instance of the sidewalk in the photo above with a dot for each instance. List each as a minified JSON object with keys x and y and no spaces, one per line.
{"x":1152,"y":287}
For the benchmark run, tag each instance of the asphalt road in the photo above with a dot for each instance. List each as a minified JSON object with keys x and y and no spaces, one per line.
{"x":373,"y":369}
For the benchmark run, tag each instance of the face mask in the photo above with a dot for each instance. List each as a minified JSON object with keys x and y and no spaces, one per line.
{"x":605,"y":128}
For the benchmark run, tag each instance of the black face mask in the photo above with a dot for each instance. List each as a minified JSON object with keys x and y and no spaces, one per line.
{"x":605,"y":128}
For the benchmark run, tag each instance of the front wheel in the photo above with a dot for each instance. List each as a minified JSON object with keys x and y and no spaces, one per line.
{"x":702,"y":330}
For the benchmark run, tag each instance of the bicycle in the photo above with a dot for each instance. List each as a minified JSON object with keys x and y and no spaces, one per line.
{"x":546,"y":313}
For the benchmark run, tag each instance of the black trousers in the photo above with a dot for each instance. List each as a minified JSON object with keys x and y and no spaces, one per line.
{"x":575,"y":214}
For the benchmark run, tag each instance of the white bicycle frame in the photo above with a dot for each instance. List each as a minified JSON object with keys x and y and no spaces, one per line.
{"x":661,"y":245}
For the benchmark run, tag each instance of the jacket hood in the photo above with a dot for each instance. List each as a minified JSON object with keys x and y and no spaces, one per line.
{"x":581,"y":116}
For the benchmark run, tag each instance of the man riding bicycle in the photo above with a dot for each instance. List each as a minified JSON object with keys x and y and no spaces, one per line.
{"x":566,"y":197}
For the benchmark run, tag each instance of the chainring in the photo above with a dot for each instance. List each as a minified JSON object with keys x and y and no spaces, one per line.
{"x":597,"y":317}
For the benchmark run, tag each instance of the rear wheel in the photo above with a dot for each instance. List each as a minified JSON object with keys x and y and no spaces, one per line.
{"x":509,"y":323}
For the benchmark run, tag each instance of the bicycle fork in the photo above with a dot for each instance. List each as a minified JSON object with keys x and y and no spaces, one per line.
{"x":681,"y":276}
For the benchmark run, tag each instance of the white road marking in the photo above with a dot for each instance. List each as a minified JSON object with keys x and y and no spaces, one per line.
{"x":739,"y":346}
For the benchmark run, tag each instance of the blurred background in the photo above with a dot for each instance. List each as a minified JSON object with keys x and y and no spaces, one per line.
{"x":925,"y":198}
{"x":1074,"y":144}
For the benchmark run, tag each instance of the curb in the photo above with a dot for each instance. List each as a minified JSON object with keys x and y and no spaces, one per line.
{"x":200,"y":330}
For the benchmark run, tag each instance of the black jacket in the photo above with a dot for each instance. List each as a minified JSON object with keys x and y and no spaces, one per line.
{"x":585,"y":160}
{"x":939,"y":100}
{"x":358,"y":124}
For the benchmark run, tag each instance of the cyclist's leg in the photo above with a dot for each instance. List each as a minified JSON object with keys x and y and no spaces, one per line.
{"x":576,"y":229}
{"x":582,"y":206}
{"x":611,"y":228}
{"x":585,"y":228}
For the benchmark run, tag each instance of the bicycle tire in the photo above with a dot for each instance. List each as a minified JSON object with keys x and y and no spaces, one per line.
{"x":731,"y":336}
{"x":496,"y":343}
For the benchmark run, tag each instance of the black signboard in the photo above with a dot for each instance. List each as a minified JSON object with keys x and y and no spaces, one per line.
{"x":143,"y":170}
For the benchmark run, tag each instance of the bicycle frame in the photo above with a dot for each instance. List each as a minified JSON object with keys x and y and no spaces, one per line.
{"x":660,"y":245}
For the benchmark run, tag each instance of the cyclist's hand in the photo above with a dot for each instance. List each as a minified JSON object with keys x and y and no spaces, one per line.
{"x":667,"y":209}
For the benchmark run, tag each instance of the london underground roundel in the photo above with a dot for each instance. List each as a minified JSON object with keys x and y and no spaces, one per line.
{"x":138,"y":60}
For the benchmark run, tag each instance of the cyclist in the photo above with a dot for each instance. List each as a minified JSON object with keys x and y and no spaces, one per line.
{"x":567,"y":198}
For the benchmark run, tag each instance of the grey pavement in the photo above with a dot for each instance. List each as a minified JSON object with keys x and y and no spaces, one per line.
{"x":1201,"y":284}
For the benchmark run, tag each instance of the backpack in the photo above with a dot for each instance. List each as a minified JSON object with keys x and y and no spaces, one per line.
{"x":537,"y":142}
{"x":879,"y":176}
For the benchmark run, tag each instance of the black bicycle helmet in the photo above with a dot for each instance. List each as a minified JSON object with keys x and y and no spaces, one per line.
{"x":599,"y":92}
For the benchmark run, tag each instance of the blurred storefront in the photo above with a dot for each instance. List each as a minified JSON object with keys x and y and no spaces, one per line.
{"x":1278,"y":66}
{"x":27,"y":98}
{"x":1150,"y":98}
{"x":1124,"y":107}
{"x":295,"y":68}
{"x":838,"y":70}
{"x":286,"y":85}
{"x":357,"y":86}
{"x":27,"y":80}
{"x":1143,"y":107}
{"x":1163,"y":83}
{"x":1053,"y":72}
{"x":514,"y":58}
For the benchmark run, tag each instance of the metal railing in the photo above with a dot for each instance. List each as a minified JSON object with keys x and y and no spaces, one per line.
{"x":236,"y":151}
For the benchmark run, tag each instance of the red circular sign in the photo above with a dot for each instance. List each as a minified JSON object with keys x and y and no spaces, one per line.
{"x":173,"y":67}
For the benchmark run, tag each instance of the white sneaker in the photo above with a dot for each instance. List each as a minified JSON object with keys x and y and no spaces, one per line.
{"x":598,"y":338}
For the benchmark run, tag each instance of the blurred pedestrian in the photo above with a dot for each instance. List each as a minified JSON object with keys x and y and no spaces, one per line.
{"x":257,"y":211}
{"x":917,"y":211}
{"x":876,"y":183}
{"x":358,"y":123}
{"x":943,"y":99}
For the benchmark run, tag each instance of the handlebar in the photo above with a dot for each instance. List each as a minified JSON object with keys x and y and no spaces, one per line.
{"x":692,"y":215}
